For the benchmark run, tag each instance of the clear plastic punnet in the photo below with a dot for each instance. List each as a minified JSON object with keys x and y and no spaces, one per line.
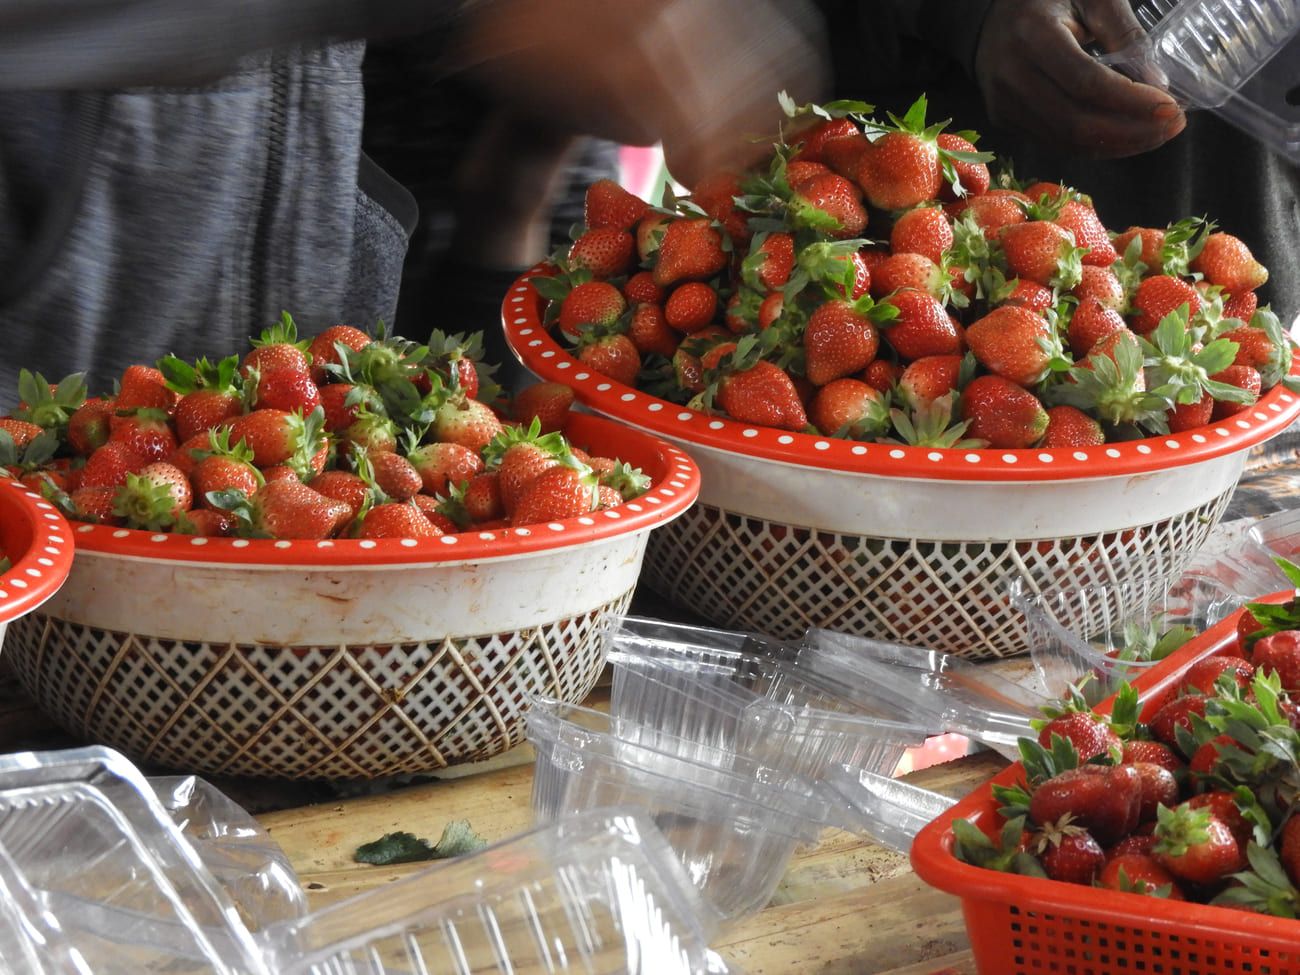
{"x":733,"y":823}
{"x":1235,"y":57}
{"x":889,"y":811}
{"x":745,"y":695}
{"x":937,"y":690}
{"x":97,"y":878}
{"x":597,"y":894}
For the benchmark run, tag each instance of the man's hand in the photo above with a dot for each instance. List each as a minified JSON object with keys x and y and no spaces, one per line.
{"x":1036,"y":77}
{"x":699,"y":75}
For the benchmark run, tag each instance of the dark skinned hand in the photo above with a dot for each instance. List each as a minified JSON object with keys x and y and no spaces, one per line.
{"x":1036,"y":77}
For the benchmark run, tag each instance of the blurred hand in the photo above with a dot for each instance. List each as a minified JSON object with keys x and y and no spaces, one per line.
{"x":701,"y":76}
{"x":1036,"y":77}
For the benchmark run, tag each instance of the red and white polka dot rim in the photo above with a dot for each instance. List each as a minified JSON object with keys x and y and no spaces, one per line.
{"x":538,"y":350}
{"x":675,"y":485}
{"x":36,"y":539}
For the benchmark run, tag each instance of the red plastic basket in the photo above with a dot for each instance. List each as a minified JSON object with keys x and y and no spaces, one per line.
{"x":1026,"y":925}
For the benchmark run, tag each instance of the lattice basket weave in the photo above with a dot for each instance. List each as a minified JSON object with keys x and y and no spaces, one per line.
{"x":341,"y":659}
{"x":910,"y":544}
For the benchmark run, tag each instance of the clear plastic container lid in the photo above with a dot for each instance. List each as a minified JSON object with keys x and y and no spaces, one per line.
{"x":596,"y":894}
{"x":1236,"y":57}
{"x":889,"y":811}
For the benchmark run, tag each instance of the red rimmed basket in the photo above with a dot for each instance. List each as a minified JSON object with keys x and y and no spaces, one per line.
{"x":1023,"y":925}
{"x":37,"y":542}
{"x":350,"y":658}
{"x":909,"y":544}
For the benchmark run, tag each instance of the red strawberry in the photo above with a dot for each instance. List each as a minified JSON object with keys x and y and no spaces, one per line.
{"x":324,"y":352}
{"x":900,"y":170}
{"x":21,"y":431}
{"x":973,"y":176}
{"x":1159,"y":295}
{"x":154,"y":498}
{"x":650,"y":234}
{"x":762,"y":394}
{"x":1159,"y":788}
{"x":1090,"y":323}
{"x":110,"y":464}
{"x":339,"y":413}
{"x":1104,"y":800}
{"x":1241,"y":306}
{"x":342,"y":486}
{"x":1202,"y":675}
{"x":207,"y":522}
{"x":691,"y":250}
{"x":882,"y":375}
{"x":1082,"y":221}
{"x":431,"y":508}
{"x":287,"y":389}
{"x":465,"y":421}
{"x":1031,"y":295}
{"x":716,"y":196}
{"x":1002,"y":414}
{"x":606,"y":252}
{"x":88,"y":427}
{"x":1243,"y":377}
{"x":928,"y":378}
{"x":903,"y":271}
{"x":924,"y":230}
{"x":224,"y":470}
{"x":520,"y":459}
{"x":811,"y":144}
{"x":1223,"y":806}
{"x":777,"y":261}
{"x":1130,"y":845}
{"x":690,"y":307}
{"x":1138,"y":874}
{"x":613,"y":356}
{"x":288,"y":508}
{"x":396,"y":520}
{"x":1068,"y":426}
{"x":1206,"y":757}
{"x":1189,"y":416}
{"x":609,"y":205}
{"x":203,"y":409}
{"x":147,"y":432}
{"x":591,"y":303}
{"x":1254,"y":348}
{"x":1153,"y":244}
{"x":995,"y":210}
{"x":560,"y":492}
{"x":275,"y":437}
{"x":1227,"y":262}
{"x":1101,"y":284}
{"x":548,"y":403}
{"x":649,"y":331}
{"x":1014,"y":343}
{"x":799,"y":171}
{"x":1175,"y":714}
{"x":923,"y":327}
{"x":396,"y":476}
{"x":95,"y":504}
{"x":1153,"y":752}
{"x":1289,"y":849}
{"x":641,"y":288}
{"x":1089,"y":734}
{"x":144,"y":387}
{"x":277,"y":348}
{"x":829,"y":195}
{"x":1194,"y":845}
{"x":844,"y":156}
{"x":847,"y":407}
{"x":1070,"y":857}
{"x":839,"y":340}
{"x":1279,"y":654}
{"x":1042,"y":252}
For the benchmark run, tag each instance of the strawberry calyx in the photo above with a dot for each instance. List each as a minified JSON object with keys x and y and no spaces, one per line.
{"x":309,"y":437}
{"x":38,"y":452}
{"x":1183,"y":242}
{"x":1111,"y":386}
{"x":553,"y":443}
{"x":49,"y":410}
{"x":1144,"y":888}
{"x":1264,"y":887}
{"x":630,"y":482}
{"x":1006,"y":854}
{"x":931,"y":425}
{"x":242,"y":509}
{"x":948,"y":158}
{"x":183,"y":378}
{"x":145,"y":503}
{"x":1180,"y":829}
{"x":1049,"y":835}
{"x":283,"y":332}
{"x":1279,"y":363}
{"x":452,"y":505}
{"x":858,"y":111}
{"x":1183,"y":373}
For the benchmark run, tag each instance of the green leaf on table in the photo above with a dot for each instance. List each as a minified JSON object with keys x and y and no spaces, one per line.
{"x":458,"y":838}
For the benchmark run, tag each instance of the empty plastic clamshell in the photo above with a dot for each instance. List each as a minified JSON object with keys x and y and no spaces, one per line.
{"x":598,"y":894}
{"x":940,"y":691}
{"x":734,"y":823}
{"x":889,"y":811}
{"x":1277,"y":536}
{"x":96,"y":877}
{"x":1237,"y":57}
{"x":735,"y":692}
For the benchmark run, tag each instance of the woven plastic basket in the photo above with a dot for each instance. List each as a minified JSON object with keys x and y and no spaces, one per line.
{"x":907,"y":544}
{"x":1023,"y":925}
{"x":351,"y":658}
{"x":36,"y":541}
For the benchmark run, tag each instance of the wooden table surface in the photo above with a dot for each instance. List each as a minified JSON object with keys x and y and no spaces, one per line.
{"x":845,"y":907}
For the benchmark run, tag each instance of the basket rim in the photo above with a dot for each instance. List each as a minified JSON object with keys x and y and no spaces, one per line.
{"x":933,"y":860}
{"x":538,"y":351}
{"x":38,"y":573}
{"x":675,"y":487}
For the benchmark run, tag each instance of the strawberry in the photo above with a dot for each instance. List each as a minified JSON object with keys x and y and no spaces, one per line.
{"x":1204,"y":674}
{"x":882,"y":375}
{"x":828,"y":203}
{"x":1206,"y":756}
{"x":1152,"y":752}
{"x":1152,"y":246}
{"x":342,"y":486}
{"x":1031,"y":295}
{"x":465,"y":421}
{"x":482,"y":497}
{"x":843,"y":156}
{"x":277,"y":347}
{"x":1070,"y":855}
{"x":396,"y":520}
{"x":928,"y":378}
{"x":762,"y":393}
{"x":324,"y":349}
{"x":1174,"y":714}
{"x":849,"y":408}
{"x":519,"y":457}
{"x":343,"y":403}
{"x":1136,"y":844}
{"x":1104,"y":800}
{"x":224,"y":468}
{"x":1227,"y":262}
{"x":187,"y":454}
{"x":994,"y":211}
{"x":548,"y":403}
{"x":798,"y":171}
{"x":1195,"y":846}
{"x":923,"y":230}
{"x":1158,"y":296}
{"x":903,"y":271}
{"x":607,"y":204}
{"x":690,"y":307}
{"x":1100,"y":284}
{"x":395,"y":476}
{"x":839,"y":340}
{"x":1068,"y":426}
{"x":1082,"y":221}
{"x":276,"y":437}
{"x":591,"y":303}
{"x":613,"y":356}
{"x":1159,"y":788}
{"x":144,"y":387}
{"x":716,"y":196}
{"x":1042,"y":252}
{"x":604,"y":251}
{"x":1255,"y":348}
{"x":650,"y":234}
{"x":641,"y":289}
{"x":1139,"y":874}
{"x":972,"y":176}
{"x":563,"y":491}
{"x":811,"y":144}
{"x":773,"y":261}
{"x":1289,"y":849}
{"x":21,"y":432}
{"x":1189,"y":416}
{"x":95,"y":503}
{"x":1242,"y":377}
{"x":154,"y":498}
{"x":1014,"y":343}
{"x":649,"y":331}
{"x":1089,"y":734}
{"x":88,"y":427}
{"x":205,"y":521}
{"x":370,"y":431}
{"x":1279,"y":654}
{"x":210,"y":393}
{"x":691,"y":250}
{"x":1002,"y":414}
{"x":284,"y":508}
{"x":146,"y":431}
{"x":287,"y":389}
{"x":1090,"y":323}
{"x":921,"y":328}
{"x":1241,"y":306}
{"x":902,"y":167}
{"x":431,"y":508}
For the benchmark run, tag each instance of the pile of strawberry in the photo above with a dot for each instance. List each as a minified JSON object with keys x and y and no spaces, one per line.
{"x":1002,"y":315}
{"x":343,"y":435}
{"x":1199,"y":803}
